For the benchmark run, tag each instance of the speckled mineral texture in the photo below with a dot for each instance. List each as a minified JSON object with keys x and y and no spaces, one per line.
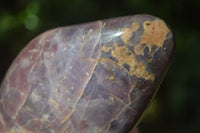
{"x":96,"y":77}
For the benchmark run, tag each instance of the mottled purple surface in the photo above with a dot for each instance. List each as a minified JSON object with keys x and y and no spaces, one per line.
{"x":91,"y":78}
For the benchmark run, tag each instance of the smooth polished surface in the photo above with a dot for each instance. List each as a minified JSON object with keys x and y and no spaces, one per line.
{"x":95,"y":77}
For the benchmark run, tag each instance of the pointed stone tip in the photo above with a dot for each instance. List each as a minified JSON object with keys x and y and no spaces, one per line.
{"x":147,"y":17}
{"x":143,"y":43}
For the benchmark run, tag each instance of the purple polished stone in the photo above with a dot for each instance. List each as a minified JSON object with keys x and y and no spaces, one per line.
{"x":96,"y":77}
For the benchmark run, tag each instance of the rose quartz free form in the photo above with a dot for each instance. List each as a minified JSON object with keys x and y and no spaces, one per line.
{"x":95,"y":77}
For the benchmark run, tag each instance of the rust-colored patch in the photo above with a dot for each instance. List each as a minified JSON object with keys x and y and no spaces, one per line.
{"x":111,"y":78}
{"x":140,"y":71}
{"x":139,"y":49}
{"x":154,"y":34}
{"x":127,"y":32}
{"x":125,"y":56}
{"x":106,"y":49}
{"x":108,"y":69}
